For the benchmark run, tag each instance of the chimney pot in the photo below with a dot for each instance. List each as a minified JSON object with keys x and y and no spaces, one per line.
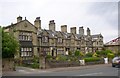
{"x":73,"y":30}
{"x":52,"y":25}
{"x":37,"y":22}
{"x":64,"y":28}
{"x":19,"y":19}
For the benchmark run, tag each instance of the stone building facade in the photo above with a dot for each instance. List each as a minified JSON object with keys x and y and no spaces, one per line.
{"x":113,"y":45}
{"x":36,"y":41}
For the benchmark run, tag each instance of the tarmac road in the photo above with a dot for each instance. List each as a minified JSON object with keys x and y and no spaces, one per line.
{"x":91,"y":70}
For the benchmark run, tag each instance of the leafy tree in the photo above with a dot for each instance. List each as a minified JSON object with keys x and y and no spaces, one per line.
{"x":0,"y":42}
{"x":10,"y":45}
{"x":110,"y":55}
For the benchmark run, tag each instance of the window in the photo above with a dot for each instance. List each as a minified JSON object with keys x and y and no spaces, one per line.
{"x":30,"y":49}
{"x":45,"y":39}
{"x":22,"y":49}
{"x":26,"y":51}
{"x":27,"y":36}
{"x":60,"y":40}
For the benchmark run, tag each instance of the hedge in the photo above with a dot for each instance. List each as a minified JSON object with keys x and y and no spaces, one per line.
{"x":92,"y":59}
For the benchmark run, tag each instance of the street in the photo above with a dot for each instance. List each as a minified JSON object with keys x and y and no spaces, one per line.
{"x":91,"y":70}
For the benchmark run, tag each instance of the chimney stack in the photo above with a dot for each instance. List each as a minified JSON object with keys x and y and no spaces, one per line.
{"x":81,"y":30}
{"x":37,"y":22}
{"x":64,"y":28}
{"x":73,"y":30}
{"x":19,"y":19}
{"x":52,"y":25}
{"x":88,"y":32}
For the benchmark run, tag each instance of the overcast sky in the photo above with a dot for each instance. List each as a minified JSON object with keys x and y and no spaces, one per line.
{"x":100,"y":17}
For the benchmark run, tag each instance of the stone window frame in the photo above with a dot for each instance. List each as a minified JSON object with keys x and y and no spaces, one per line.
{"x":45,"y":39}
{"x":25,"y":36}
{"x":59,"y":40}
{"x":26,"y":51}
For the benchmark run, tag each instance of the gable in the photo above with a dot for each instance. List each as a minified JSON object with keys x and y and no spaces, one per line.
{"x":59,"y":34}
{"x":72,"y":36}
{"x":25,"y":26}
{"x":45,"y":33}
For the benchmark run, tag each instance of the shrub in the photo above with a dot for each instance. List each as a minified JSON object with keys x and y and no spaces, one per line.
{"x":69,"y":53}
{"x":110,"y":55}
{"x":48,"y":57}
{"x":35,"y":59}
{"x":77,"y":53}
{"x":61,"y":58}
{"x":89,"y":54}
{"x":103,"y":53}
{"x":35,"y":65}
{"x":95,"y":55}
{"x":92,"y":59}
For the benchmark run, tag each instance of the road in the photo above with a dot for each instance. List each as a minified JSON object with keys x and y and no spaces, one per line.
{"x":91,"y":70}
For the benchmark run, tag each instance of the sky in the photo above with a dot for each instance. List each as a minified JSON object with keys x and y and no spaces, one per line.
{"x":101,"y":16}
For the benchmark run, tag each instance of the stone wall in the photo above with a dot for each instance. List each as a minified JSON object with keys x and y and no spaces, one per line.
{"x":8,"y":64}
{"x":56,"y":64}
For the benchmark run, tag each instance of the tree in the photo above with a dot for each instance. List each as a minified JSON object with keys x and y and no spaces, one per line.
{"x":10,"y":46}
{"x":0,"y":42}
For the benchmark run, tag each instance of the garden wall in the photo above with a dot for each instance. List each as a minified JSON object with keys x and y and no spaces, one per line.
{"x":56,"y":64}
{"x":7,"y":64}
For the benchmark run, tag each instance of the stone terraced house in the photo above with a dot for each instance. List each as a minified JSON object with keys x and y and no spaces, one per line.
{"x":35,"y":41}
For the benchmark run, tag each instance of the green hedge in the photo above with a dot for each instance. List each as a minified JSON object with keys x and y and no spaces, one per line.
{"x":92,"y":59}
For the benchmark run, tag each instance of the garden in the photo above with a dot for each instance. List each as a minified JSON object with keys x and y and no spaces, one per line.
{"x":73,"y":59}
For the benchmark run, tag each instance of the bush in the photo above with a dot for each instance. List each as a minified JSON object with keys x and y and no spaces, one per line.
{"x":35,"y":59}
{"x":95,"y":55}
{"x":70,"y":53}
{"x":77,"y":53}
{"x":49,"y":57}
{"x":110,"y":55}
{"x":103,"y":53}
{"x":62,"y":58}
{"x":92,"y":59}
{"x":35,"y":65}
{"x":89,"y":54}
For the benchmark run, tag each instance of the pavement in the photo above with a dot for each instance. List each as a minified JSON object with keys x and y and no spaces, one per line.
{"x":26,"y":70}
{"x":61,"y":68}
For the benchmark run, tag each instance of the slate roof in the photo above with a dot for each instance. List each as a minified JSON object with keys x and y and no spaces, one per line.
{"x":115,"y":41}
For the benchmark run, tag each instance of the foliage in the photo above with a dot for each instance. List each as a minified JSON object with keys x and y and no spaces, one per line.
{"x":92,"y":59}
{"x":95,"y":55}
{"x":34,"y":65}
{"x":110,"y":55}
{"x":62,"y":58}
{"x":48,"y":57}
{"x":89,"y":54}
{"x":10,"y":46}
{"x":69,"y":53}
{"x":0,"y":42}
{"x":35,"y":59}
{"x":82,"y":55}
{"x":77,"y":53}
{"x":103,"y":53}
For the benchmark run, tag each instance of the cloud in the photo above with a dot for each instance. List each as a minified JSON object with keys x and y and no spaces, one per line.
{"x":100,"y":17}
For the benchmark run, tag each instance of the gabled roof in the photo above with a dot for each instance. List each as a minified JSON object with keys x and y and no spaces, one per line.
{"x":97,"y":35}
{"x":115,"y":41}
{"x":78,"y":36}
{"x":12,"y":25}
